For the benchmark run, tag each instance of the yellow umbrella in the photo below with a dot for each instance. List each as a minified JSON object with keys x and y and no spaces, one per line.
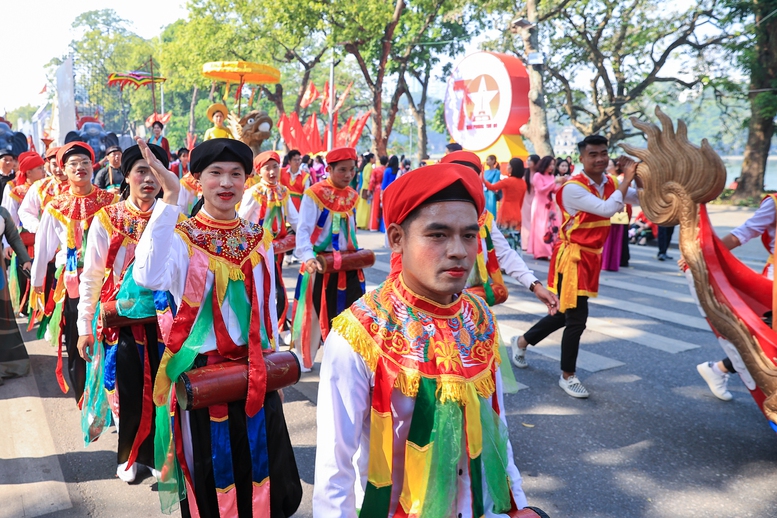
{"x":241,"y":72}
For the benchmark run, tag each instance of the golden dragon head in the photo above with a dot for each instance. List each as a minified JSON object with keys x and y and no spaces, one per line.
{"x":674,"y":171}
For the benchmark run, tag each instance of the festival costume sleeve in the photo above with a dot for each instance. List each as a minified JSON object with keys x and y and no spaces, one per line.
{"x":12,"y":206}
{"x":249,"y":207}
{"x":510,"y":260}
{"x":29,"y":210}
{"x":185,"y":200}
{"x":762,"y":221}
{"x":631,"y":197}
{"x":343,"y":408}
{"x":516,"y":480}
{"x":92,"y":276}
{"x":11,"y":235}
{"x":308,"y":215}
{"x":292,"y":214}
{"x":46,"y":243}
{"x":577,"y":198}
{"x":161,"y":257}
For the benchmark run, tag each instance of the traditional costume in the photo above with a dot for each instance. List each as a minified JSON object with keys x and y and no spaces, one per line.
{"x":327,"y":225}
{"x":14,"y":360}
{"x":376,"y":179}
{"x":125,"y":359}
{"x":296,"y":183}
{"x":63,"y":234}
{"x":364,"y":206}
{"x":577,"y":258}
{"x":19,"y":284}
{"x":412,"y":389}
{"x":190,"y":194}
{"x":270,"y":207}
{"x":39,"y":195}
{"x":231,"y":459}
{"x":217,"y":131}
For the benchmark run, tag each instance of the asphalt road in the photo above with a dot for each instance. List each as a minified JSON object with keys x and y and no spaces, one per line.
{"x":651,"y":441}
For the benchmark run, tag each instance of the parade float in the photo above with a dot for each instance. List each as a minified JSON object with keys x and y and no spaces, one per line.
{"x":679,"y":179}
{"x":487,"y":103}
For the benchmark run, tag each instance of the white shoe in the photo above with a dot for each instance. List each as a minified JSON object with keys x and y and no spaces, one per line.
{"x":127,"y":475}
{"x":573,"y":387}
{"x":518,"y":355}
{"x":716,"y":382}
{"x":157,"y":475}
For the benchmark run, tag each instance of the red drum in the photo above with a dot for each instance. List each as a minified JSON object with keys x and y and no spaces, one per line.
{"x":284,"y":244}
{"x":347,"y":261}
{"x":227,"y":381}
{"x":111,"y":317}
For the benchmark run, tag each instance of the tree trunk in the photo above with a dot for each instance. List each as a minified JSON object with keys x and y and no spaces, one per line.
{"x":212,"y":93}
{"x":763,"y":104}
{"x":536,"y":130}
{"x":192,"y":122}
{"x":423,"y":138}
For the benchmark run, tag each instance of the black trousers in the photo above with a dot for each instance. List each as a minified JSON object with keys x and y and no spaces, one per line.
{"x":573,"y":321}
{"x":129,"y":383}
{"x":76,"y":366}
{"x":353,"y":291}
{"x":664,"y":238}
{"x":625,"y":253}
{"x":281,"y":299}
{"x":285,"y":485}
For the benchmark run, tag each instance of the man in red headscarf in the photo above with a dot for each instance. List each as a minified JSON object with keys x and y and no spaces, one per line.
{"x":327,"y":225}
{"x":410,"y":380}
{"x":62,"y":236}
{"x":268,"y":204}
{"x":30,"y":171}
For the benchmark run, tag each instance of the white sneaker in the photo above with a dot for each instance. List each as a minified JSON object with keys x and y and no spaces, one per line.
{"x":127,"y":475}
{"x":156,"y":474}
{"x":716,"y":382}
{"x":572,"y":386}
{"x":518,"y":355}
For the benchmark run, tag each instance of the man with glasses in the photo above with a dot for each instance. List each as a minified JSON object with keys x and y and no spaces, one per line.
{"x":62,"y":234}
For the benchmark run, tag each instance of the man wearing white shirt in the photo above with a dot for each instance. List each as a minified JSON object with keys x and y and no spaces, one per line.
{"x":588,"y":200}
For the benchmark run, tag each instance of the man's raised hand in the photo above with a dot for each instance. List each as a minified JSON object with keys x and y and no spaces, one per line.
{"x":166,"y":178}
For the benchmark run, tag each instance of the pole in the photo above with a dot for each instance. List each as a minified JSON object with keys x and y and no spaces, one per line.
{"x":153,"y":86}
{"x":162,"y":89}
{"x":330,"y":138}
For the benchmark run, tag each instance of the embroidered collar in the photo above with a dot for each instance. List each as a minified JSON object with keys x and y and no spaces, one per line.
{"x":423,"y":304}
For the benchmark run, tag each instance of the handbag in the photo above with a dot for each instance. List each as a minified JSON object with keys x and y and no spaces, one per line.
{"x":620,"y":218}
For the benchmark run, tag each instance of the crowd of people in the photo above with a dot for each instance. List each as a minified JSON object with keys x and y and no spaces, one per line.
{"x":156,"y":265}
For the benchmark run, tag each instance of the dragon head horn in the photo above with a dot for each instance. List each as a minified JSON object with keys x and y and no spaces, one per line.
{"x":672,"y":168}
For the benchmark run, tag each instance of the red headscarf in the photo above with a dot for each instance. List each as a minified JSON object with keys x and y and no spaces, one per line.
{"x":264,"y":157}
{"x":81,"y":148}
{"x":467,"y":157}
{"x":340,"y":154}
{"x":28,"y":161}
{"x":418,"y":187}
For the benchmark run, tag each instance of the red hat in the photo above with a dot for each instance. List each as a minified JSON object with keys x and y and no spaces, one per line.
{"x":51,"y":152}
{"x":264,"y":157}
{"x":80,"y":148}
{"x":463,"y":158}
{"x":423,"y":185}
{"x":340,"y":154}
{"x":29,"y":160}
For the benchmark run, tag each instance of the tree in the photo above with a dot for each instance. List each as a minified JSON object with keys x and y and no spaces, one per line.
{"x":758,"y":56}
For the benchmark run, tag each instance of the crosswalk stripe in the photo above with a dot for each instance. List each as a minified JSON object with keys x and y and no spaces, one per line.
{"x":602,"y":326}
{"x":551,"y":348}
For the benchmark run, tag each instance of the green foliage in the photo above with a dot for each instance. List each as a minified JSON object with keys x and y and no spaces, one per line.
{"x":20,"y":113}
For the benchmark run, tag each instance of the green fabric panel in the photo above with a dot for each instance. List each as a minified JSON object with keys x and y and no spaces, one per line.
{"x":476,"y":483}
{"x":376,"y":502}
{"x":183,"y":360}
{"x":171,"y":488}
{"x":509,"y":383}
{"x":422,"y":422}
{"x":447,"y":437}
{"x":495,"y":457}
{"x":238,"y":301}
{"x":95,"y":409}
{"x":132,"y":300}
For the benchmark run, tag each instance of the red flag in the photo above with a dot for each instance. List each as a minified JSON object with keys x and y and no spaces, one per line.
{"x":314,"y":137}
{"x":341,"y":100}
{"x":357,"y":128}
{"x":341,"y":135}
{"x":43,"y":91}
{"x":284,"y":128}
{"x":298,"y":134}
{"x":325,"y":99}
{"x":311,"y":94}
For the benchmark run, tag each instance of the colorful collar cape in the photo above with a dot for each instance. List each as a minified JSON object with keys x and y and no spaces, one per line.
{"x":272,"y":200}
{"x":446,"y":357}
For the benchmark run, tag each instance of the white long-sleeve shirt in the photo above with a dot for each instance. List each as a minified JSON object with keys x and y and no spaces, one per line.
{"x":578,"y":198}
{"x":162,"y":263}
{"x":510,"y":260}
{"x":50,"y":236}
{"x":30,"y":208}
{"x":250,"y":208}
{"x":11,"y":204}
{"x":308,"y":217}
{"x":343,"y":421}
{"x":93,"y":275}
{"x":763,"y":221}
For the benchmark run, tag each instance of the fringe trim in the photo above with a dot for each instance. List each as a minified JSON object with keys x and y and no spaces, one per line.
{"x":449,"y":387}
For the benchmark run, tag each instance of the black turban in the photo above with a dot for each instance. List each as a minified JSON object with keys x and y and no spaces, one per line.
{"x":132,"y":154}
{"x":221,"y":150}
